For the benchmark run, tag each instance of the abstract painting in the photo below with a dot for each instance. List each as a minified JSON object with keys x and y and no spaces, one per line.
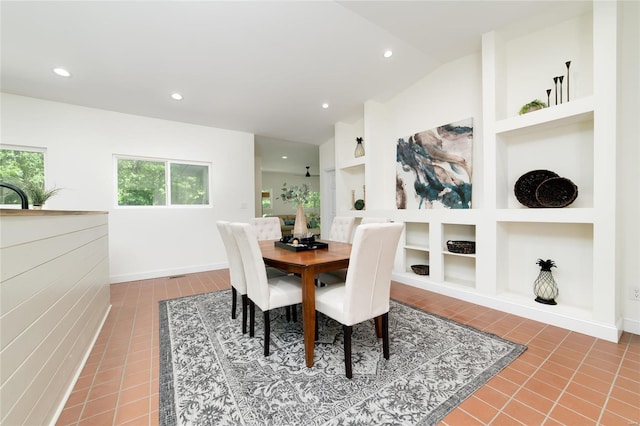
{"x":434,"y":168}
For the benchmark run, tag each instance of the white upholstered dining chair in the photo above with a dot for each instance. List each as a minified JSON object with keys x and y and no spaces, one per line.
{"x":339,"y":276}
{"x":267,"y":293}
{"x":341,"y":229}
{"x":267,"y":228}
{"x":236,"y":271}
{"x":365,"y":293}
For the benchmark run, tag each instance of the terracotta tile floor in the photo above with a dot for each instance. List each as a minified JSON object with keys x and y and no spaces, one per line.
{"x":564,"y":378}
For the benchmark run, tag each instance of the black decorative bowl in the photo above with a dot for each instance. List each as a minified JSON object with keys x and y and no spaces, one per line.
{"x":527,"y":184}
{"x":461,"y":247}
{"x":556,"y":192}
{"x":420,"y":269}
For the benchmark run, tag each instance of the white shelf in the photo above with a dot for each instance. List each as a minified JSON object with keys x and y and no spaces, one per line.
{"x":563,"y":215}
{"x":353,"y":162}
{"x":450,"y":253}
{"x":559,"y":309}
{"x":415,"y":247}
{"x":571,"y":112}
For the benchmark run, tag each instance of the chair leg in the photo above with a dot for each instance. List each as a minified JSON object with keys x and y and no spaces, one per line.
{"x":245,"y":302}
{"x":294,"y":313}
{"x":234,"y":296}
{"x":267,"y":332}
{"x":287,"y":309}
{"x":385,"y":335}
{"x":347,"y":350}
{"x":252,"y":318}
{"x":377,"y":322}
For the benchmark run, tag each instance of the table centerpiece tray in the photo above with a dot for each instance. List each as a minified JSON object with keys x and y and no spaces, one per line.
{"x":301,"y":246}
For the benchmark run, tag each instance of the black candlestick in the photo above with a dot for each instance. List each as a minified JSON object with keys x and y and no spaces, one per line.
{"x":560,"y":79}
{"x":568,"y":63}
{"x":555,"y":82}
{"x":548,"y":97}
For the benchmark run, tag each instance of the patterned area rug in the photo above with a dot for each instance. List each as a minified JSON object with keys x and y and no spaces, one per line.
{"x":211,"y":374}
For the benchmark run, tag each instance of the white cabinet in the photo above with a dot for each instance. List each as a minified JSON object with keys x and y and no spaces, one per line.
{"x":416,"y":245}
{"x":425,"y":242}
{"x":458,"y":268}
{"x":54,"y":293}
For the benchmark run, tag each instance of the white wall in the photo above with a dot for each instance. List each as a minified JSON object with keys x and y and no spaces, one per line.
{"x":327,"y":162}
{"x":144,"y":242}
{"x":628,"y":175}
{"x":452,"y":92}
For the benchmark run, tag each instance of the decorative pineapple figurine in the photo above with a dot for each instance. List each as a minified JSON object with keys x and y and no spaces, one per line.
{"x":545,"y":287}
{"x":359,"y":148}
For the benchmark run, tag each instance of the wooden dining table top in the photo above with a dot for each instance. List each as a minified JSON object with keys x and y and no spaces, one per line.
{"x":336,"y":253}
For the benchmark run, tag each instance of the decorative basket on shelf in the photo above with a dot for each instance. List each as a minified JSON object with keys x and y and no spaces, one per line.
{"x":544,"y":188}
{"x":527,"y":184}
{"x":556,"y":192}
{"x":420,"y":269}
{"x":461,"y":247}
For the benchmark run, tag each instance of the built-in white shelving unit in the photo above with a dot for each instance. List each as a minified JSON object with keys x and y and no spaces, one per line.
{"x":575,"y":139}
{"x":350,"y":170}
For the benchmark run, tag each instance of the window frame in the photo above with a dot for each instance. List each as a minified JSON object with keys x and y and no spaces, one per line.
{"x":270,"y":197}
{"x":167,"y":181}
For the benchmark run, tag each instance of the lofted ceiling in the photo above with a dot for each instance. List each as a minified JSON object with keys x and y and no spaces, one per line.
{"x":263,"y":67}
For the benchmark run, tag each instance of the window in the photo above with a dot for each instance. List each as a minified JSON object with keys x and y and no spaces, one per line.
{"x":314,"y":200}
{"x":20,"y":166}
{"x":143,"y":182}
{"x":266,"y":200}
{"x":189,"y":184}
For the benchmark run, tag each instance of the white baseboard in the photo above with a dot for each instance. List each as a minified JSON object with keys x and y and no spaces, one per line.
{"x":610,"y":332}
{"x":113,"y":279}
{"x":632,"y":326}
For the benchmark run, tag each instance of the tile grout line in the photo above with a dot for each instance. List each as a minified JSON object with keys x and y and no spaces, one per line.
{"x":570,"y":379}
{"x":126,"y":358}
{"x":612,"y":385}
{"x":97,"y":369}
{"x":155,"y":312}
{"x":522,"y":386}
{"x":499,"y":410}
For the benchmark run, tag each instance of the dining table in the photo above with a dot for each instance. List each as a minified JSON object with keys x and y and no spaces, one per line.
{"x":307,"y":264}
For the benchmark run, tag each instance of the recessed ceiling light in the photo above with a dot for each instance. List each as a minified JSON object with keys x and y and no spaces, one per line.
{"x":62,"y":72}
{"x":325,"y":105}
{"x":388,"y":54}
{"x":176,"y":96}
{"x":284,"y":157}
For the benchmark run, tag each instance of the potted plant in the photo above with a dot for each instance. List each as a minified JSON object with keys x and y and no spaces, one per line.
{"x":38,"y":194}
{"x":298,"y":196}
{"x":534,"y":105}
